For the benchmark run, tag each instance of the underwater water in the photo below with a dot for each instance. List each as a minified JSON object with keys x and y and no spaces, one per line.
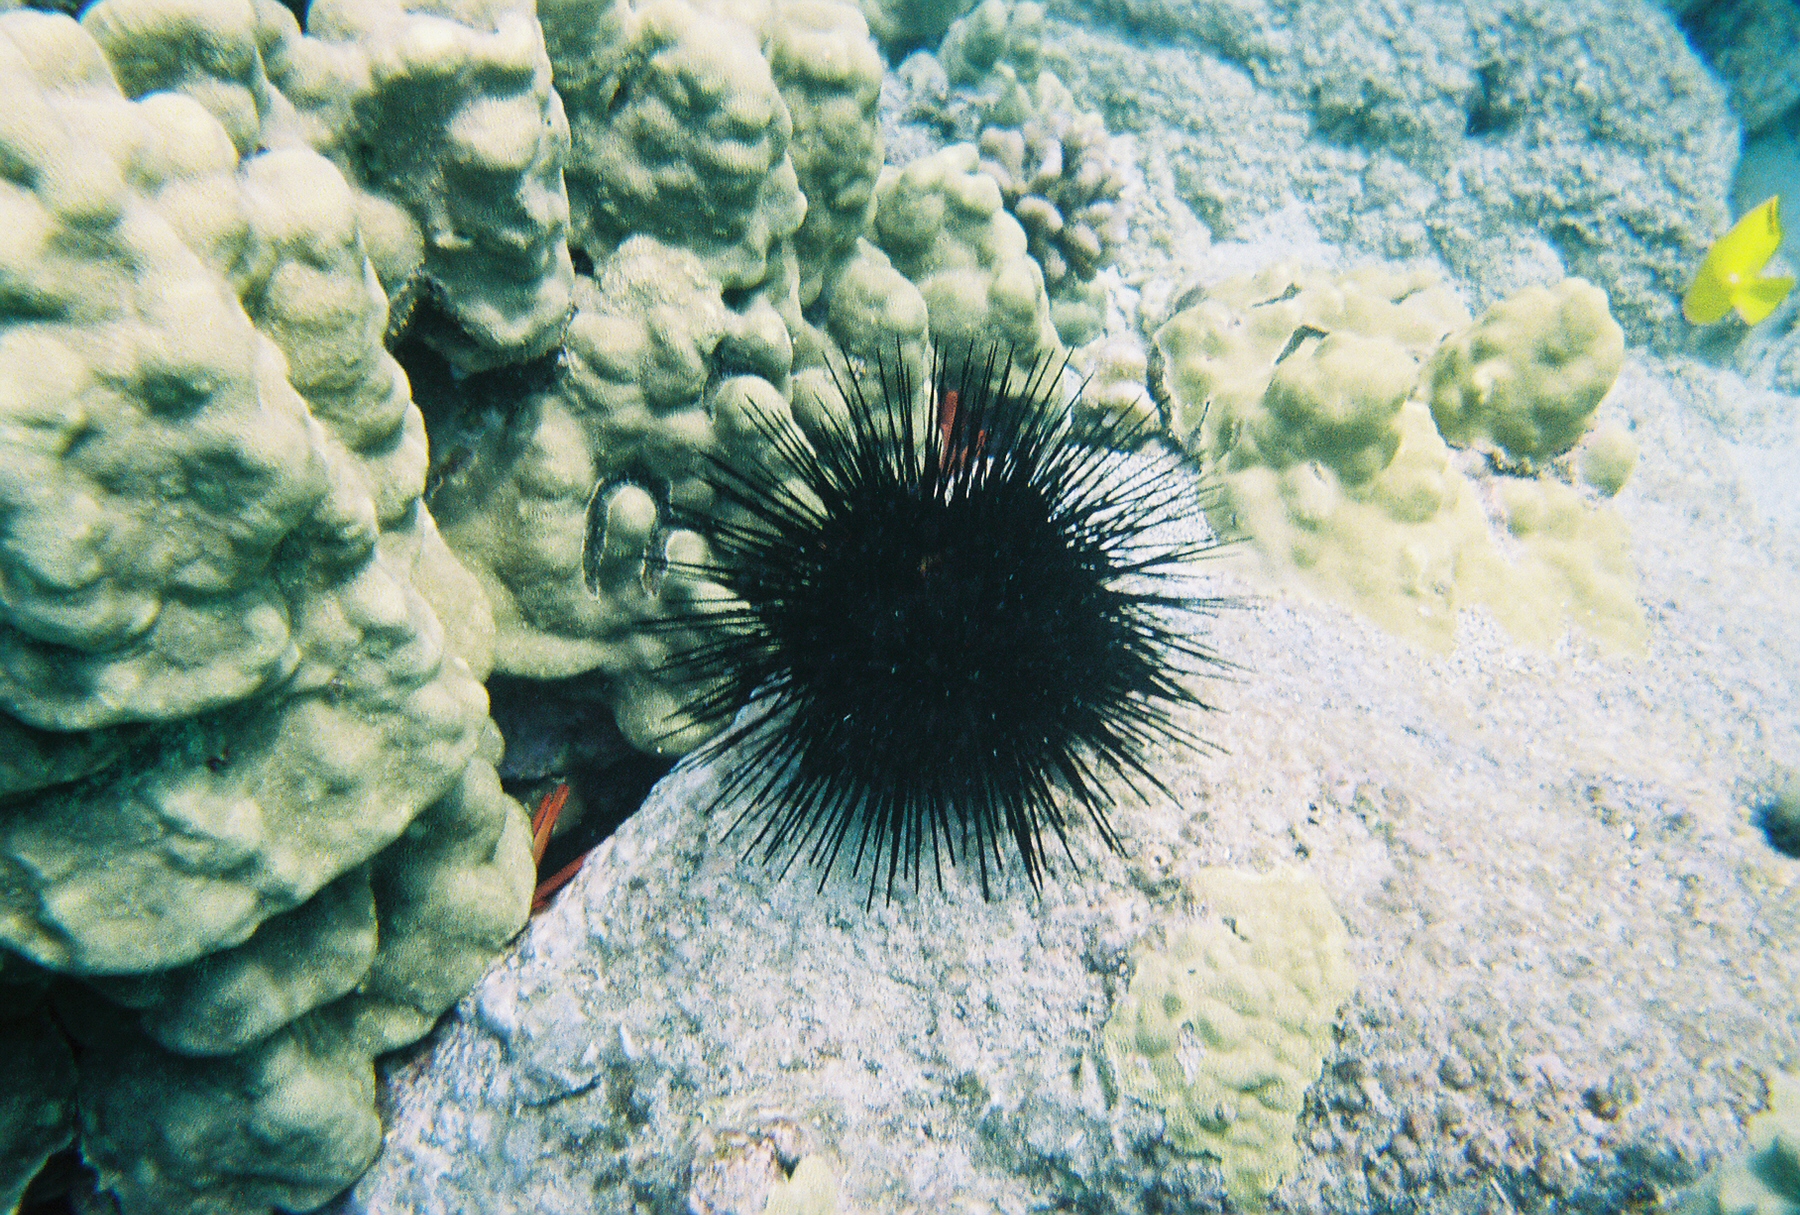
{"x":1327,"y":744}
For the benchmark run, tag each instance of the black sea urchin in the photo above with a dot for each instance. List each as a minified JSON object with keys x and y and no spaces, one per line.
{"x":955,"y":610}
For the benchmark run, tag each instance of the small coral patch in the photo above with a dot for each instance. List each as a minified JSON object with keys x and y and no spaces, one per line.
{"x":1225,"y":1026}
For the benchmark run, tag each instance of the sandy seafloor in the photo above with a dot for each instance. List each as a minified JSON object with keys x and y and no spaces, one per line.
{"x":1577,"y":955}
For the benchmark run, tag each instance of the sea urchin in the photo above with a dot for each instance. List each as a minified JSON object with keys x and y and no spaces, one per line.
{"x":954,"y":612}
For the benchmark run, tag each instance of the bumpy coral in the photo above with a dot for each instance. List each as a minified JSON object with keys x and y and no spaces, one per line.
{"x":995,"y":46}
{"x":1057,"y":175}
{"x":183,"y":1110}
{"x":1226,"y":1025}
{"x":1061,"y":174}
{"x":444,"y":112}
{"x":441,"y":117}
{"x":945,"y":226}
{"x":559,"y":501}
{"x":253,"y":837}
{"x":695,"y":127}
{"x":1524,"y":381}
{"x":830,"y":76}
{"x":209,"y":52}
{"x":871,"y":309}
{"x":679,"y":134}
{"x":905,"y":25}
{"x":1116,"y":369}
{"x":1308,"y":394}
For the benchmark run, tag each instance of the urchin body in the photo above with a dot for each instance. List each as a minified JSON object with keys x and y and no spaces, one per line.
{"x":952,"y":611}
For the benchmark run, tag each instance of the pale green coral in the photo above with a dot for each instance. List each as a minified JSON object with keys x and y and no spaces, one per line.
{"x":904,"y":25}
{"x":285,"y":1123}
{"x":1608,"y":458}
{"x":694,"y":127}
{"x":679,"y":133}
{"x":996,"y":45}
{"x":143,"y":562}
{"x":1307,"y":393}
{"x":559,"y":515}
{"x":406,"y":933}
{"x":441,"y":116}
{"x":1226,"y":1023}
{"x":134,"y":591}
{"x":871,"y":309}
{"x":829,"y":73}
{"x":446,"y":112}
{"x":294,"y":963}
{"x":1223,"y":343}
{"x":208,"y":52}
{"x":1524,"y":380}
{"x":288,"y":1119}
{"x":1059,"y":179}
{"x":1336,"y":400}
{"x":942,"y":223}
{"x":254,"y":836}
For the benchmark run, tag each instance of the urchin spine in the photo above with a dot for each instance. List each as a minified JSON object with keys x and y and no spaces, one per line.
{"x":954,"y":609}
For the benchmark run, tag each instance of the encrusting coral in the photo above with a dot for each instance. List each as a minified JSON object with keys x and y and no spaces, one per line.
{"x":1329,"y":406}
{"x":1522,"y":383}
{"x":1226,"y":1025}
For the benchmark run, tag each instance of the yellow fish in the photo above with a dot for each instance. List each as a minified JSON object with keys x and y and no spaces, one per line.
{"x":1731,"y":275}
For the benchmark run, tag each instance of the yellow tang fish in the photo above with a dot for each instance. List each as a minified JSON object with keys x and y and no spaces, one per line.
{"x":1731,"y":275}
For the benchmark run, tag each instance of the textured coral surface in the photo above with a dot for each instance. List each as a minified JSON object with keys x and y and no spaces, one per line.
{"x":255,"y":837}
{"x":356,"y":359}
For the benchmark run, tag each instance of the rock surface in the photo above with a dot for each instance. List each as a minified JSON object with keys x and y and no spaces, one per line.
{"x":1575,"y":952}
